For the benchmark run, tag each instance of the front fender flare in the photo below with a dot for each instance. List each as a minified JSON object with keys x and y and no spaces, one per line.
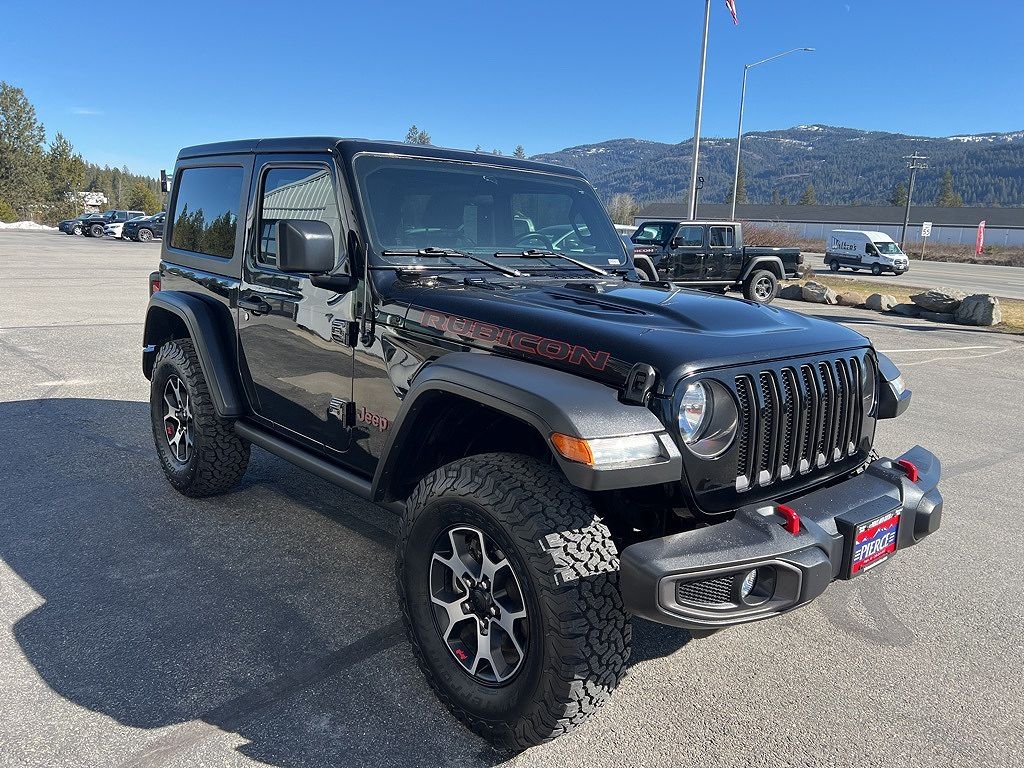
{"x":544,"y":398}
{"x":209,"y":326}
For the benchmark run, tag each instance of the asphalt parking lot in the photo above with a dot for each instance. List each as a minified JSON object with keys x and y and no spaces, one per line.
{"x":141,"y":628}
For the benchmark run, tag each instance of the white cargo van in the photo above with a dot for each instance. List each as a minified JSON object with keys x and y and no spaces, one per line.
{"x":861,"y":249}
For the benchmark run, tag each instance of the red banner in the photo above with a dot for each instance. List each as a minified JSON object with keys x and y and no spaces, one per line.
{"x":979,"y":244}
{"x":731,"y":5}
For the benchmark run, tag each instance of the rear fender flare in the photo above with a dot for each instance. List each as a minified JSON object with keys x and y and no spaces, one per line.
{"x":771,"y":263}
{"x":208,"y":324}
{"x":547,"y":400}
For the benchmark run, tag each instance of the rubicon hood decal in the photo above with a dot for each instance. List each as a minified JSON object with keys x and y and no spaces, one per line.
{"x":528,"y":343}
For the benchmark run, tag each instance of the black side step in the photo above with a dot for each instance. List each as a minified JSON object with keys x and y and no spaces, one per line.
{"x":310,"y":462}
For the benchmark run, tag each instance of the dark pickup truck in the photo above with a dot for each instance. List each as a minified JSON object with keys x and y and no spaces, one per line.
{"x":711,"y":255}
{"x":460,"y":338}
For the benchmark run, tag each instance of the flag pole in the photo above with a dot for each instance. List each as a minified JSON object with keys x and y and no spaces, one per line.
{"x":700,"y":109}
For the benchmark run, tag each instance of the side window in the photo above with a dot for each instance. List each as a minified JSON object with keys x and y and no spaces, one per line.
{"x":205,"y":214}
{"x":722,"y":237}
{"x":294,"y":193}
{"x":867,"y":247}
{"x":690,"y":236}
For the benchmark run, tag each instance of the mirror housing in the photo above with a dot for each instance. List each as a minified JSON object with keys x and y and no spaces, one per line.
{"x":304,"y":246}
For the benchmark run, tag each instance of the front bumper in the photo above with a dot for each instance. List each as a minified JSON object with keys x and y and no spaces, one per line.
{"x":693,"y":579}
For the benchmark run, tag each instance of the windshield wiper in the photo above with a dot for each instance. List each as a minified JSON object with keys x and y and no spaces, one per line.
{"x":536,"y":253}
{"x":433,"y":252}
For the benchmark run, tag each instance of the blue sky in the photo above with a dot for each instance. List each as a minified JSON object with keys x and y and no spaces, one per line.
{"x":546,"y":74}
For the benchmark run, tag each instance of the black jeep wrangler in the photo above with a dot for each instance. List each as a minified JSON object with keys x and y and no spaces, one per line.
{"x":461,"y":338}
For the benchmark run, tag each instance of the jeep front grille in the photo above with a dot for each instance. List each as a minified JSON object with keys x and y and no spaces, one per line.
{"x":797,"y":418}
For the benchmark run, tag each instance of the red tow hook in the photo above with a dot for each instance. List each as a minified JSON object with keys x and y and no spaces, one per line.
{"x":792,"y":519}
{"x":909,"y":468}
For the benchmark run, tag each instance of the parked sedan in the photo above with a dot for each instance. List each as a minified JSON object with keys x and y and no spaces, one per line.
{"x":73,"y":226}
{"x":145,"y":229}
{"x":115,"y":229}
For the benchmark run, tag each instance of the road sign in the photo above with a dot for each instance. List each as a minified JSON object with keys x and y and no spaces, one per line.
{"x":926,"y":229}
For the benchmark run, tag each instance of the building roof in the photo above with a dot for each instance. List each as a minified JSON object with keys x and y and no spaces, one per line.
{"x":350,"y":147}
{"x":845,"y":214}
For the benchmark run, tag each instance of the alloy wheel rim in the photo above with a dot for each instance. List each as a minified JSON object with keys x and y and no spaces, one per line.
{"x":478,"y":605}
{"x":763,"y":288}
{"x":177,"y":421}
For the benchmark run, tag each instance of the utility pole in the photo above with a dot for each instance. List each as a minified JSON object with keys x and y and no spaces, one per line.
{"x":739,"y":130}
{"x":700,"y":109}
{"x":914,"y":165}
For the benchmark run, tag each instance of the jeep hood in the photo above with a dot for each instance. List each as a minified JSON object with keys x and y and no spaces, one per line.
{"x":602,"y":329}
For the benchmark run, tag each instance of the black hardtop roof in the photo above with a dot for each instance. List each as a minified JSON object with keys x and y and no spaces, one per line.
{"x":350,"y":147}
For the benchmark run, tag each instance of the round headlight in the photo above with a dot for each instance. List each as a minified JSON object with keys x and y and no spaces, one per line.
{"x":708,"y":418}
{"x":694,"y":409}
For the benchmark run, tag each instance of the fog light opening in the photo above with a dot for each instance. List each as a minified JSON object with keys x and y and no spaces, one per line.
{"x":755,"y":586}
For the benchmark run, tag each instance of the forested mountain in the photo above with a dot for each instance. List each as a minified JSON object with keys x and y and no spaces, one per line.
{"x":844,"y":165}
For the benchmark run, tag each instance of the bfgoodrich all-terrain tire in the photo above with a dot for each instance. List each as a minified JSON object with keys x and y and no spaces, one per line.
{"x":200,"y":452}
{"x":509,"y":587}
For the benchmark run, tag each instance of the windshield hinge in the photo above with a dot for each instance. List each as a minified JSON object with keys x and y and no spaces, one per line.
{"x":639,"y":384}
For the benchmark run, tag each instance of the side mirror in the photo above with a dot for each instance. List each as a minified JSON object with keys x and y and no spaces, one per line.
{"x":676,"y":242}
{"x":304,"y":246}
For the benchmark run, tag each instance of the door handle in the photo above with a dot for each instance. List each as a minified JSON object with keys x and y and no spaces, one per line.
{"x":254,"y":304}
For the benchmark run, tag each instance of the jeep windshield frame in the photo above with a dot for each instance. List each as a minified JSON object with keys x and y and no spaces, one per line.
{"x":411,"y":204}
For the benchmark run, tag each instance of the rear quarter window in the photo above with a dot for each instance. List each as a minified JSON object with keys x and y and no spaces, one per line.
{"x":205,"y":216}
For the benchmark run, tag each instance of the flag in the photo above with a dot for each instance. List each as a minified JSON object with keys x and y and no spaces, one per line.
{"x":731,"y":5}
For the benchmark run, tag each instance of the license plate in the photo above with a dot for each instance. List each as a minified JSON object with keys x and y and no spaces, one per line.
{"x":874,"y":542}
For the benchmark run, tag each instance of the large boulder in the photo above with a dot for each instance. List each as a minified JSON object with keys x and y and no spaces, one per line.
{"x":938,"y":301}
{"x":851,"y":299}
{"x":907,"y":310}
{"x":819,"y":294}
{"x":979,"y":309}
{"x":880,"y":302}
{"x":792,"y":291}
{"x":936,"y":317}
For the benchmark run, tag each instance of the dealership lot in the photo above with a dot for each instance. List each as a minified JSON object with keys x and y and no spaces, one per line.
{"x":141,"y":628}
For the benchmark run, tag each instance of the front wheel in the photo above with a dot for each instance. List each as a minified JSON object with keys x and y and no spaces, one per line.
{"x":509,"y":586}
{"x":145,"y":235}
{"x":78,"y":229}
{"x":96,"y":230}
{"x":200,"y":452}
{"x":762,"y":286}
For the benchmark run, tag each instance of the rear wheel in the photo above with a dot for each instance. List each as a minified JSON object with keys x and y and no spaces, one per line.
{"x":762,"y":286}
{"x":145,"y":235}
{"x":876,"y":269}
{"x":509,"y":589}
{"x":96,"y":230}
{"x":834,"y":265}
{"x":199,"y":451}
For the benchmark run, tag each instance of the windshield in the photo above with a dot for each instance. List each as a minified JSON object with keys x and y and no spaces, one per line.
{"x":414,"y":203}
{"x":656,"y":233}
{"x":888,"y":248}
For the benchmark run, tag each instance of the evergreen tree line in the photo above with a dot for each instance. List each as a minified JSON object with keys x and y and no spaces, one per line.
{"x":416,"y":135}
{"x":40,"y":180}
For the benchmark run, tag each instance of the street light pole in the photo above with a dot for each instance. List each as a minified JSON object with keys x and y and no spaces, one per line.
{"x":739,"y":130}
{"x":914,"y":167}
{"x":700,"y":108}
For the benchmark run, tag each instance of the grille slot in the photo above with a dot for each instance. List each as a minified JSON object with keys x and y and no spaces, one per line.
{"x":706,"y":592}
{"x":796,"y":419}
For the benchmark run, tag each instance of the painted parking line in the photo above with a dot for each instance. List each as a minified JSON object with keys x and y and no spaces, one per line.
{"x":939,"y":349}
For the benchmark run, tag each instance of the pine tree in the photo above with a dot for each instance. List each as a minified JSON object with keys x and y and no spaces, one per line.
{"x":520,"y":152}
{"x":22,"y":167}
{"x":415,"y":136}
{"x":741,"y":196}
{"x":899,"y":196}
{"x":947,"y":197}
{"x":808,"y":197}
{"x":65,"y":176}
{"x":776,"y":197}
{"x":141,"y":197}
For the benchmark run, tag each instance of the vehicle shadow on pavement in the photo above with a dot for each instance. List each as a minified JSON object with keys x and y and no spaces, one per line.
{"x":263,"y":621}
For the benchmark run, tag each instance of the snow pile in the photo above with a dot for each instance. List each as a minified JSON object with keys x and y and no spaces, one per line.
{"x":27,"y":225}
